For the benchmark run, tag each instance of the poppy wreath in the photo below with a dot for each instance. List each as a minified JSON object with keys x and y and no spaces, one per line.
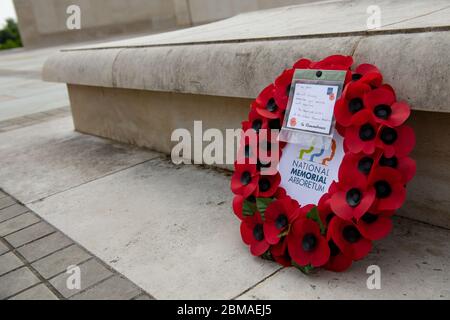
{"x":372,"y":177}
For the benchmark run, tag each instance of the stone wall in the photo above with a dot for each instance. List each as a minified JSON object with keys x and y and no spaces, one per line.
{"x":43,"y":22}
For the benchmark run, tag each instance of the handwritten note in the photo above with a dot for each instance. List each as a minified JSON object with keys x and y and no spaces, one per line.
{"x":312,"y":107}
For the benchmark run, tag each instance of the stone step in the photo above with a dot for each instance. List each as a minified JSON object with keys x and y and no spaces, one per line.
{"x":139,"y":90}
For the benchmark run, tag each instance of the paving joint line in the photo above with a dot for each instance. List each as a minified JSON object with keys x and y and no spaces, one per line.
{"x":258,"y":283}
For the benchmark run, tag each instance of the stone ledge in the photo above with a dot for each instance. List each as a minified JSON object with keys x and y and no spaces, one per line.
{"x":237,"y":57}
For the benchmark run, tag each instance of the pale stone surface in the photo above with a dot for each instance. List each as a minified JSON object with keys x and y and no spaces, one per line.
{"x":6,"y":202}
{"x":16,"y":281}
{"x":414,"y":262}
{"x":12,"y":211}
{"x":91,"y":273}
{"x":177,"y":238}
{"x":249,"y":50}
{"x":39,"y":292}
{"x":29,"y":234}
{"x":310,"y":19}
{"x":114,"y":288}
{"x":17,"y":223}
{"x":47,"y":158}
{"x":3,"y":248}
{"x":9,"y":261}
{"x":44,"y":246}
{"x":59,"y":261}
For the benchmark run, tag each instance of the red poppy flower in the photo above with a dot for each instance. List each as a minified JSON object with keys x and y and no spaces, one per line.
{"x":266,"y":105}
{"x":306,"y":245}
{"x":255,"y":120}
{"x":280,"y":253}
{"x":280,"y":193}
{"x":238,"y":202}
{"x":406,"y":166}
{"x":368,"y":73}
{"x":334,"y":62}
{"x":357,"y":164}
{"x":375,"y":226}
{"x":245,"y":179}
{"x":398,"y":141}
{"x":353,"y":198}
{"x":283,"y":87}
{"x":382,"y":104}
{"x":351,"y":103}
{"x":348,"y":239}
{"x":324,"y":207}
{"x":338,"y":261}
{"x":362,"y":137}
{"x":302,"y":64}
{"x":278,"y":216}
{"x":267,"y":185}
{"x":252,"y":233}
{"x":390,"y":192}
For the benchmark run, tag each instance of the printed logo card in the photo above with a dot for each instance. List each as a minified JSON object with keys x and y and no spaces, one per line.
{"x":314,"y":150}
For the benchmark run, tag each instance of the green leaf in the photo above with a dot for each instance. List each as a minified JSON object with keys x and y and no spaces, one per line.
{"x":262,"y":204}
{"x":308,"y":269}
{"x":314,"y":215}
{"x":248,"y":208}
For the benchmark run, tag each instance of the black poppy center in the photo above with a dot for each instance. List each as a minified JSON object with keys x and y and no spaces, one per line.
{"x":353,"y":197}
{"x":247,"y":151}
{"x":356,"y":76}
{"x":246,"y":178}
{"x":382,"y":111}
{"x":260,"y":165}
{"x":309,"y":242}
{"x":329,"y":217}
{"x":351,"y":234}
{"x":288,"y":89}
{"x":388,"y":135}
{"x":334,"y":250}
{"x":389,"y":162}
{"x":365,"y":164}
{"x":366,"y":132}
{"x":264,"y":185}
{"x":355,"y":105}
{"x":271,"y":105}
{"x":369,"y":218}
{"x":252,"y":199}
{"x":275,"y":124}
{"x":258,"y":232}
{"x":257,"y":124}
{"x":383,"y":189}
{"x":281,"y":221}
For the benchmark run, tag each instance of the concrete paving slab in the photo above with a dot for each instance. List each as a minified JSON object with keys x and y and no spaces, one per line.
{"x":44,"y":246}
{"x":3,"y":248}
{"x":12,"y":211}
{"x":177,"y":238}
{"x":39,"y":292}
{"x":91,"y":272}
{"x":59,"y":261}
{"x":9,"y":261}
{"x":29,"y":234}
{"x":414,"y":262}
{"x":114,"y":288}
{"x":16,"y":281}
{"x":6,"y":202}
{"x":50,"y":157}
{"x":17,"y":223}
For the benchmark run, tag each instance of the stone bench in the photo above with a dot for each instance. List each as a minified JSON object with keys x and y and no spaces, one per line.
{"x":139,"y":90}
